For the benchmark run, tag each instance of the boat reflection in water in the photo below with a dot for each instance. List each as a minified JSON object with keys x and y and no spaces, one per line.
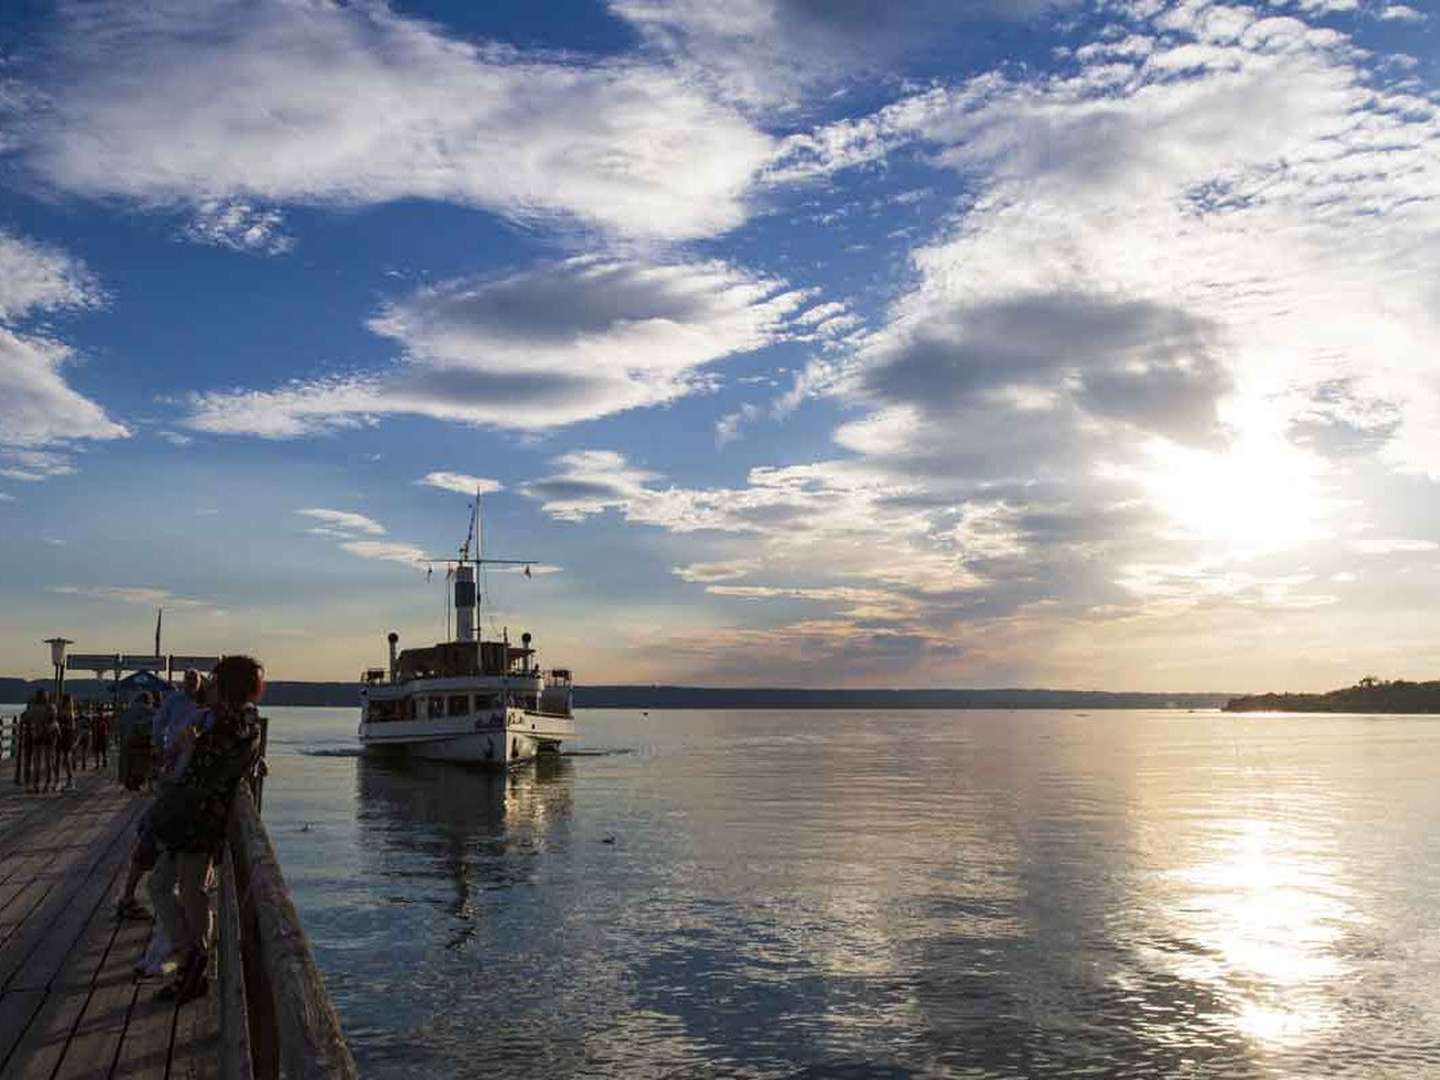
{"x":421,"y":822}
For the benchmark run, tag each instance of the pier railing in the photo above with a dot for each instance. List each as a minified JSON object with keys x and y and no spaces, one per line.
{"x":276,"y":1018}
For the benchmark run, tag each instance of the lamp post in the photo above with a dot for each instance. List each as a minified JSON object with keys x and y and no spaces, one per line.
{"x":57,"y":657}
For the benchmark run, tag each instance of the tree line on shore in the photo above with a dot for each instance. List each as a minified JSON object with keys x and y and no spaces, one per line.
{"x":1369,"y":695}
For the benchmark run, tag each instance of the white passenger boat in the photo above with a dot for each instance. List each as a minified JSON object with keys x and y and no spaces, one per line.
{"x":468,"y":700}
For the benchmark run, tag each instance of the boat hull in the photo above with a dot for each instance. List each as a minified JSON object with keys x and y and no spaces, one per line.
{"x":521,"y":738}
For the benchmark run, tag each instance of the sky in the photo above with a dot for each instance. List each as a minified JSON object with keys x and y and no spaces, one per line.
{"x":1072,"y":343}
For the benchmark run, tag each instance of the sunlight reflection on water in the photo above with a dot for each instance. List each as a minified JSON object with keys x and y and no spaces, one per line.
{"x":980,"y":893}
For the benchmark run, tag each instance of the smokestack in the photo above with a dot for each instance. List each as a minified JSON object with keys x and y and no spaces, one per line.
{"x":464,"y":602}
{"x":394,"y":640}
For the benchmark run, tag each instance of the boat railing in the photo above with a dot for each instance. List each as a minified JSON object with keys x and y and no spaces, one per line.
{"x":276,"y":1017}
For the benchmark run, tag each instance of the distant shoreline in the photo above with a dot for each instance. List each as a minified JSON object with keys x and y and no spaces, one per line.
{"x":335,"y":694}
{"x":1369,"y":695}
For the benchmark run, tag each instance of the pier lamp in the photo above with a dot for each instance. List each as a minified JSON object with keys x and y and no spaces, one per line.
{"x":57,"y":657}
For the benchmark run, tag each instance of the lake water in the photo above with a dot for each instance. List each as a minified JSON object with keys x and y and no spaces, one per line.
{"x":978,"y":894}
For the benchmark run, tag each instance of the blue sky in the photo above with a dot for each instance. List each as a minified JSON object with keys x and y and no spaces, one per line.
{"x":853,"y":343}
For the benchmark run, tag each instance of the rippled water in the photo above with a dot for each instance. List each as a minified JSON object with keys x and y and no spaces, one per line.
{"x":979,"y":894}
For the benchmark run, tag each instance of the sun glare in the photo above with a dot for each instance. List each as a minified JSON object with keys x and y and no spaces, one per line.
{"x":1257,"y":497}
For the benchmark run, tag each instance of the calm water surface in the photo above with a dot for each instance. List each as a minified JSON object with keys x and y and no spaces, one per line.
{"x":979,"y":894}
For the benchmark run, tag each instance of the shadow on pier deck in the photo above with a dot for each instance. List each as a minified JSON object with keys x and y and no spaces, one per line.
{"x":70,"y":1002}
{"x":71,"y":1005}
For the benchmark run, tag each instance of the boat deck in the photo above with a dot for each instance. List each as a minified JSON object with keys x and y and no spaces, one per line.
{"x":70,"y":1002}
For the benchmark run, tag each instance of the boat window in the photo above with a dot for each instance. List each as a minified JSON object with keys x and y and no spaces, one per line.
{"x":437,"y":708}
{"x":484,"y":702}
{"x":459,"y":704}
{"x":410,"y":708}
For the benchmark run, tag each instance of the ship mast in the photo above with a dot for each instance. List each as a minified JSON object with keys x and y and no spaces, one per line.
{"x":466,"y":595}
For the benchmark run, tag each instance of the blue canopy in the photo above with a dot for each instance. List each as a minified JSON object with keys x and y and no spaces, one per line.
{"x":141,"y":680}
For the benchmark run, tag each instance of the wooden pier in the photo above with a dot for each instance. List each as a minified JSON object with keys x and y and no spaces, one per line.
{"x":71,"y":1003}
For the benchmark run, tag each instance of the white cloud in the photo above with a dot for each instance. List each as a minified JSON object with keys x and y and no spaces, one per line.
{"x":1392,"y":546}
{"x":1184,"y":267}
{"x":828,"y":593}
{"x":145,"y":596}
{"x":387,"y":551}
{"x":220,"y":103}
{"x":767,"y":52}
{"x":40,"y":414}
{"x":1401,"y":13}
{"x":36,"y":277}
{"x":463,"y":483}
{"x":706,"y":573}
{"x":345,"y":520}
{"x":554,"y":345}
{"x":239,"y":226}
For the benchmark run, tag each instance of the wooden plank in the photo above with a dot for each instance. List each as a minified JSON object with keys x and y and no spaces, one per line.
{"x":73,"y":885}
{"x":95,"y":1041}
{"x":48,"y":810}
{"x":145,"y":1049}
{"x":38,"y":1054}
{"x":195,"y":1053}
{"x":16,"y":1012}
{"x":19,"y":911}
{"x":44,"y":1044}
{"x":49,"y":953}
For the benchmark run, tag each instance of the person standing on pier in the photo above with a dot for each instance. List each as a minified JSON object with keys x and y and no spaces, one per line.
{"x":180,"y":720}
{"x":191,"y":816}
{"x":134,"y":733}
{"x":29,"y":723}
{"x":83,"y":725}
{"x":43,"y":735}
{"x":100,"y":736}
{"x":65,"y":741}
{"x":178,"y":711}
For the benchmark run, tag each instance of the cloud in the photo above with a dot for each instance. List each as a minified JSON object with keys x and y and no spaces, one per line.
{"x":144,"y":596}
{"x":41,"y":415}
{"x":35,"y":277}
{"x":1392,"y":546}
{"x":223,"y":106}
{"x":1188,"y":256}
{"x":1116,"y":359}
{"x":387,"y":551}
{"x":345,"y":521}
{"x":239,"y":226}
{"x":463,"y":483}
{"x":37,"y":407}
{"x":829,"y":593}
{"x":770,"y":51}
{"x":709,"y":572}
{"x":1186,"y":265}
{"x":554,"y":345}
